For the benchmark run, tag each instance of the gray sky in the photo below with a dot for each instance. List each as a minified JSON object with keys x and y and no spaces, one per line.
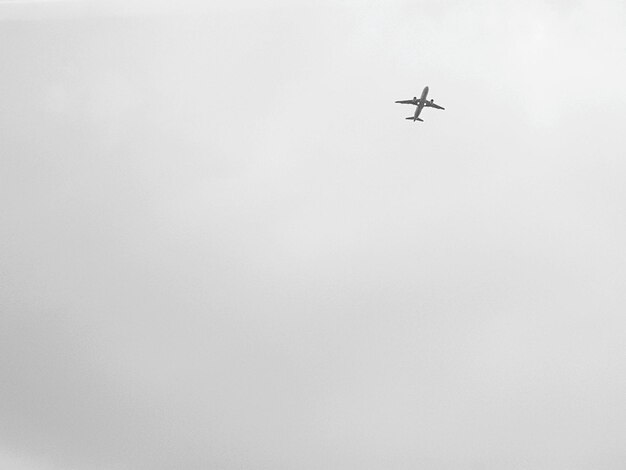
{"x":223,"y":247}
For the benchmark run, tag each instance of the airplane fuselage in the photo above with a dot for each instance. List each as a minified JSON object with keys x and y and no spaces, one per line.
{"x":424,"y":94}
{"x":421,"y":103}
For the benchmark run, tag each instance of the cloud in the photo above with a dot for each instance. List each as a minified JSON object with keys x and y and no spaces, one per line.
{"x":223,"y":246}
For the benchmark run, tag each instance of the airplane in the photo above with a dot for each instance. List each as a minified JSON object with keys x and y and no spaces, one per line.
{"x":421,"y":103}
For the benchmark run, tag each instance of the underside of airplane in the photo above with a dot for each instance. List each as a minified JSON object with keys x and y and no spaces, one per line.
{"x":421,"y":103}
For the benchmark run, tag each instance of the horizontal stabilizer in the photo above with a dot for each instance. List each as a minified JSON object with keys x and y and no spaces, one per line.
{"x":413,"y":119}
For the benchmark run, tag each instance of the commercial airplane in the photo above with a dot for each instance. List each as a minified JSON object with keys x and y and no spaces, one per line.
{"x":421,"y":103}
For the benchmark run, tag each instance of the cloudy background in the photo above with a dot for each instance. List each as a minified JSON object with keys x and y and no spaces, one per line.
{"x":223,"y":247}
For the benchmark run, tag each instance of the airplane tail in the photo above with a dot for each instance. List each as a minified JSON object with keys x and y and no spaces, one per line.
{"x":413,"y":119}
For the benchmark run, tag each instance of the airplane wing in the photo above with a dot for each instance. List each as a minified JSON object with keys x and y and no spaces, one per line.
{"x":430,"y":104}
{"x":406,"y":102}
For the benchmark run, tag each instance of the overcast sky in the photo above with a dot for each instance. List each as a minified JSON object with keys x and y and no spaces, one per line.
{"x":223,"y":247}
